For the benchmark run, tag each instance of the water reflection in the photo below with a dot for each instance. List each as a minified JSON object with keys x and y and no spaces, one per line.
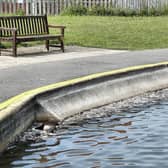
{"x":136,"y":138}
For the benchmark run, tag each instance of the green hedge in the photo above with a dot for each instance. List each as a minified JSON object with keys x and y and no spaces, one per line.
{"x":102,"y":11}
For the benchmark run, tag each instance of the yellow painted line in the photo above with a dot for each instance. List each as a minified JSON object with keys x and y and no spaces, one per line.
{"x":34,"y":92}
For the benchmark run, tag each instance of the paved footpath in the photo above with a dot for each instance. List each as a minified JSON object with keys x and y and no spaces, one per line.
{"x":32,"y":70}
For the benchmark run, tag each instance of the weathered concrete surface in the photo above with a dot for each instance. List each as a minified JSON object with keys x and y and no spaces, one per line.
{"x":63,"y":103}
{"x":36,"y":71}
{"x":38,"y":54}
{"x":15,"y":120}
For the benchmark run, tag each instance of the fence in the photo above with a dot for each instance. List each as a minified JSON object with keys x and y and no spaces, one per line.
{"x":11,"y":6}
{"x":54,"y":7}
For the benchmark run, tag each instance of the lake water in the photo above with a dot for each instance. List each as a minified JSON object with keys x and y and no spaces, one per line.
{"x":132,"y":137}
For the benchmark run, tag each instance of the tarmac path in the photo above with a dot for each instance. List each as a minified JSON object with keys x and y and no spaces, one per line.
{"x":21,"y":74}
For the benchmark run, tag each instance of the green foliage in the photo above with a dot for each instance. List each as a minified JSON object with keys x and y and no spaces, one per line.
{"x":75,"y":10}
{"x":143,"y":12}
{"x":20,"y":12}
{"x":154,"y":12}
{"x":98,"y":11}
{"x":164,"y":10}
{"x":102,"y":11}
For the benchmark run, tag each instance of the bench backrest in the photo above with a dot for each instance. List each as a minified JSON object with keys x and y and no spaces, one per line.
{"x":26,"y":25}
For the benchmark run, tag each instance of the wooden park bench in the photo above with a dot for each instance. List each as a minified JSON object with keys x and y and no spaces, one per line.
{"x":17,"y":29}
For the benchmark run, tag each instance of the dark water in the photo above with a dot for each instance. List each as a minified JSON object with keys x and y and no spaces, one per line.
{"x":136,"y":138}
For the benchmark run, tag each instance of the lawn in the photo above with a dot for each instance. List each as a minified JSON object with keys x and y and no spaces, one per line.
{"x":133,"y":33}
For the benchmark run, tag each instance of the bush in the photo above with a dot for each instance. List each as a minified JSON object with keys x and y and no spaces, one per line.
{"x":164,"y":10}
{"x":154,"y":12}
{"x":102,"y":11}
{"x":143,"y":12}
{"x":75,"y":10}
{"x":20,"y":12}
{"x":131,"y":12}
{"x":98,"y":11}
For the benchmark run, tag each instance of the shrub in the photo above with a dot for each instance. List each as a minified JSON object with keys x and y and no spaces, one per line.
{"x":116,"y":11}
{"x":97,"y":11}
{"x":20,"y":12}
{"x":154,"y":12}
{"x":122,"y":12}
{"x":102,"y":11}
{"x":164,"y":10}
{"x":143,"y":11}
{"x":75,"y":10}
{"x":131,"y":12}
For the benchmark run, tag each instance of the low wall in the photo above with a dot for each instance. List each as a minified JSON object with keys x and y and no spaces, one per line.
{"x":66,"y":102}
{"x":15,"y":120}
{"x":61,"y":100}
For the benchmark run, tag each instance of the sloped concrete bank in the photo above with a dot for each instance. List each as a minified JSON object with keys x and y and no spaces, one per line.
{"x":58,"y":101}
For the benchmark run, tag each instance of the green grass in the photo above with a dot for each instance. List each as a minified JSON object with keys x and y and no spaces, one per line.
{"x":133,"y":33}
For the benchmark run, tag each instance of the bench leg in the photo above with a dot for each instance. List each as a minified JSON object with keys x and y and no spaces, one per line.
{"x":47,"y":45}
{"x":0,"y":48}
{"x":14,"y":49}
{"x":62,"y":45}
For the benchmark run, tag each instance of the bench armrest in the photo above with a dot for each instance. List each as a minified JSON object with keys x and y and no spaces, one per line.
{"x":54,"y":26}
{"x":59,"y":27}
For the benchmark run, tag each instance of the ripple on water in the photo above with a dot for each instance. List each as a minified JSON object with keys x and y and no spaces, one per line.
{"x":124,"y":135}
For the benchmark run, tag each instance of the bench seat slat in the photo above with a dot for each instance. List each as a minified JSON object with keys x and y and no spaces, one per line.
{"x":37,"y":38}
{"x":6,"y":38}
{"x":34,"y":38}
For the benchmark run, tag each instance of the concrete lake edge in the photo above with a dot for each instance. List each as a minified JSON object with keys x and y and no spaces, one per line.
{"x":18,"y":113}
